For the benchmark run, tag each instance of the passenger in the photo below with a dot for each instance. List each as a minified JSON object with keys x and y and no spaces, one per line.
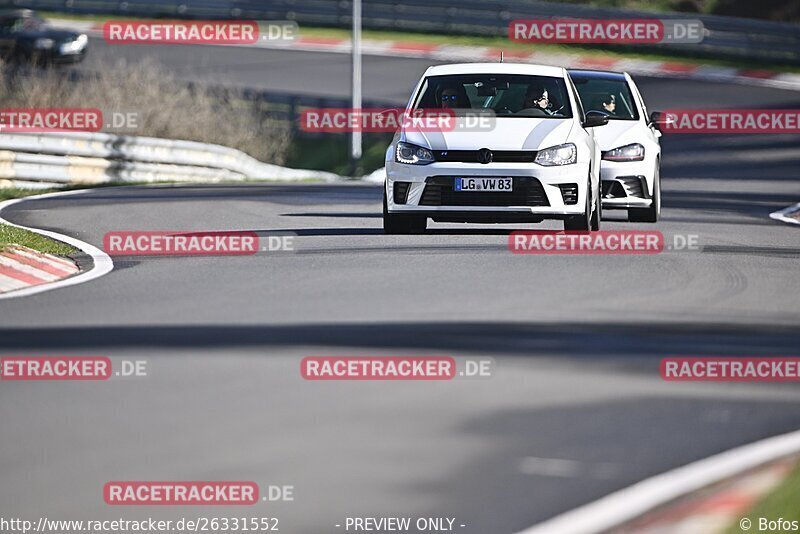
{"x":610,"y":105}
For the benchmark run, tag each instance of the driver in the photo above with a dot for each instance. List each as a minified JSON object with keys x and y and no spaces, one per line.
{"x":449,"y":98}
{"x":610,"y":105}
{"x":536,"y":97}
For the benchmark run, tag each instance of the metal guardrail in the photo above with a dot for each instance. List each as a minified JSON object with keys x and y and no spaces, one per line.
{"x":727,"y":37}
{"x":288,"y":107}
{"x":56,"y":159}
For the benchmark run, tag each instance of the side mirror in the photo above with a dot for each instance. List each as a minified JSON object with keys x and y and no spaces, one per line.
{"x":658,"y":119}
{"x":595,"y":119}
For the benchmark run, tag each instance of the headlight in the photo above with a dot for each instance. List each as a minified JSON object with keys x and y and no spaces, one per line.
{"x":557,"y":155}
{"x":412,"y":154}
{"x":634,"y":152}
{"x":75,"y":46}
{"x":43,"y":43}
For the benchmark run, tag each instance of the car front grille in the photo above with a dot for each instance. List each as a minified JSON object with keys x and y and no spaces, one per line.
{"x":498,"y":156}
{"x":439,"y":191}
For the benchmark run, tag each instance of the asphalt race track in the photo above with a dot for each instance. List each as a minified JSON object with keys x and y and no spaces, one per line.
{"x":385,"y":78}
{"x":576,"y":407}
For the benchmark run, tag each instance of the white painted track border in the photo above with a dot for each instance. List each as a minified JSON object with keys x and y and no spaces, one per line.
{"x":634,"y":501}
{"x":102,"y":261}
{"x":780,"y":215}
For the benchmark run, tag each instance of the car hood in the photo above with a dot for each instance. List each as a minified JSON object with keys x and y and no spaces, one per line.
{"x":618,"y":133}
{"x":507,"y":134}
{"x":57,"y":34}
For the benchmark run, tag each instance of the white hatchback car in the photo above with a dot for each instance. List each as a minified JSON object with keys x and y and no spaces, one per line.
{"x":539,"y":160}
{"x":631,"y":160}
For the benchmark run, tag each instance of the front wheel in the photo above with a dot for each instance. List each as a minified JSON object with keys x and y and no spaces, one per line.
{"x":598,"y":213}
{"x":652,"y":213}
{"x":397,"y":223}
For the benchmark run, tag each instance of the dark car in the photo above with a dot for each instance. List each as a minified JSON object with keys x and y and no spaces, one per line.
{"x":26,"y":38}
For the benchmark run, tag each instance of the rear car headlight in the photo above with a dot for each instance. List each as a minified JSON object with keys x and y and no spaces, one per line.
{"x":412,"y":154}
{"x":634,"y":152}
{"x":565,"y":154}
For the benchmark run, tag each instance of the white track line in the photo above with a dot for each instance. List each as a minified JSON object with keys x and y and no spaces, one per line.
{"x":634,"y":501}
{"x":780,"y":215}
{"x":102,"y":262}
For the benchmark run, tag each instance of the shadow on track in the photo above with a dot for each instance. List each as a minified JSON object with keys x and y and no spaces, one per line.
{"x":322,"y":232}
{"x":594,"y":341}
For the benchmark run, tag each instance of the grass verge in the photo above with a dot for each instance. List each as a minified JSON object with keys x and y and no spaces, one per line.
{"x":781,"y":503}
{"x":11,"y":235}
{"x":8,"y":193}
{"x":13,"y":192}
{"x":165,"y":106}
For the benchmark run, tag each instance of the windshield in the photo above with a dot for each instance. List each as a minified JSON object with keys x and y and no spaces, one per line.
{"x":505,"y":95}
{"x":611,"y":97}
{"x":19,"y":24}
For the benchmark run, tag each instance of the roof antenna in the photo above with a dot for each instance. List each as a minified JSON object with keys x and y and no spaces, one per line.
{"x":501,"y":56}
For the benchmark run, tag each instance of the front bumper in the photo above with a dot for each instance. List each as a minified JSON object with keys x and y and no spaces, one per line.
{"x":61,"y":58}
{"x":538,"y":193}
{"x":55,"y":57}
{"x":626,"y":184}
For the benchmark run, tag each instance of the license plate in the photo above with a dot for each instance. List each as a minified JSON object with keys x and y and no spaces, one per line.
{"x":484,"y":184}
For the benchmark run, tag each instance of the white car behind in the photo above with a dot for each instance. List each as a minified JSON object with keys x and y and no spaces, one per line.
{"x":537,"y":162}
{"x":631,"y":151}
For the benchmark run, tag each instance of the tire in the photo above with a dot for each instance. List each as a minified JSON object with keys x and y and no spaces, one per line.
{"x":38,"y":60}
{"x":14,"y":58}
{"x":598,"y":214}
{"x":653,"y":213}
{"x":394,"y":223}
{"x":585,"y":222}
